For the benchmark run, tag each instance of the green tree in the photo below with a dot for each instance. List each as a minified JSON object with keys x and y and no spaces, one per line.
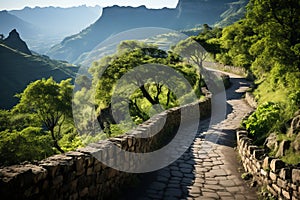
{"x":142,"y":102}
{"x":277,"y":25}
{"x":51,"y":102}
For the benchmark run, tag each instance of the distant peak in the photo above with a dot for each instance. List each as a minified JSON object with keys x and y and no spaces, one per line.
{"x":14,"y":40}
{"x":14,"y":33}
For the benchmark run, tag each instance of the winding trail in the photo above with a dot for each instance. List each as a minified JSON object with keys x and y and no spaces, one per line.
{"x":207,"y":170}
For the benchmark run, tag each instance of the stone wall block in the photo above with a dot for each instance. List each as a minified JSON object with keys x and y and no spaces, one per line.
{"x":80,"y":168}
{"x":282,"y":183}
{"x":258,"y":154}
{"x":285,"y":173}
{"x":276,"y":165}
{"x":277,"y":189}
{"x":251,"y":149}
{"x":272,"y":190}
{"x":57,"y":181}
{"x":51,"y":167}
{"x":273,"y":176}
{"x":240,"y":134}
{"x":286,"y":194}
{"x":296,"y":176}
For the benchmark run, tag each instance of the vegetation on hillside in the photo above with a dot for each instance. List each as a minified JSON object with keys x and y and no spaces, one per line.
{"x":18,"y":69}
{"x":266,"y":43}
{"x":44,"y":113}
{"x":141,"y":90}
{"x":40,"y":125}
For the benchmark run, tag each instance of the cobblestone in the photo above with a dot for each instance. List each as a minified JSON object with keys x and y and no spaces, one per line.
{"x":208,"y":170}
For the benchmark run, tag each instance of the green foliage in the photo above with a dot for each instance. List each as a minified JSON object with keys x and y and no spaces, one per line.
{"x":246,"y":176}
{"x":50,"y":102}
{"x":265,"y":119}
{"x":40,"y":125}
{"x":143,"y":102}
{"x":19,"y":69}
{"x":4,"y":120}
{"x":29,"y":144}
{"x":70,"y":140}
{"x":291,"y":157}
{"x":266,"y":42}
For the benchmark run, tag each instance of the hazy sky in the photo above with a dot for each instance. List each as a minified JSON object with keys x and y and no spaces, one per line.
{"x":19,"y":4}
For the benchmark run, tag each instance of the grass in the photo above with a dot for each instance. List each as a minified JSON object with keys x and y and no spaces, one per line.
{"x":291,"y":157}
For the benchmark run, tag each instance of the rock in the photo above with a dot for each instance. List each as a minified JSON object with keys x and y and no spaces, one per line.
{"x":296,"y":143}
{"x":295,"y":125}
{"x":253,"y":184}
{"x":14,"y":41}
{"x":283,"y":146}
{"x":271,"y":141}
{"x":296,"y":175}
{"x":276,"y":165}
{"x":285,"y":173}
{"x":266,"y":163}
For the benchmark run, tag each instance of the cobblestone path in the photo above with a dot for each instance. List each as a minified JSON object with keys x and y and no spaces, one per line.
{"x":207,"y":170}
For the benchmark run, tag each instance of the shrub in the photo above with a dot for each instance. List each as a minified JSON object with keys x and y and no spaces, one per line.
{"x":265,"y":119}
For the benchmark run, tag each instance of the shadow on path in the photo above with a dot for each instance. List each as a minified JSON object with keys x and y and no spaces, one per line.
{"x":209,"y":169}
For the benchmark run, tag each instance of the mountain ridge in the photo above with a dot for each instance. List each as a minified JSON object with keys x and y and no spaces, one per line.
{"x":116,"y":19}
{"x":45,"y":27}
{"x":19,"y":68}
{"x":14,"y":41}
{"x":10,"y":22}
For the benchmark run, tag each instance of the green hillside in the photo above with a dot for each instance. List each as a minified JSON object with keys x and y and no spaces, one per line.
{"x":18,"y":69}
{"x":235,"y":12}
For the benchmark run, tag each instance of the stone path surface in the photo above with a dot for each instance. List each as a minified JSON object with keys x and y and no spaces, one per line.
{"x":208,"y":170}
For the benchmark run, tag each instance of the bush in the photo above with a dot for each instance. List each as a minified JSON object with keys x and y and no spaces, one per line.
{"x":265,"y":119}
{"x":26,"y":145}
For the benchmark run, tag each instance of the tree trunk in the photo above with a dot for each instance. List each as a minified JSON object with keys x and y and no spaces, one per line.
{"x":147,"y":95}
{"x":55,"y":143}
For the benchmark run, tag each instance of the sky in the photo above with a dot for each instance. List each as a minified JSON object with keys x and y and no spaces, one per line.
{"x":20,"y":4}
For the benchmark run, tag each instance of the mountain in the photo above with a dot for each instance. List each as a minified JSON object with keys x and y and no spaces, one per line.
{"x":45,"y":27}
{"x":14,"y":41}
{"x":19,"y":68}
{"x":59,"y":21}
{"x":116,"y":19}
{"x":9,"y":22}
{"x":235,"y":12}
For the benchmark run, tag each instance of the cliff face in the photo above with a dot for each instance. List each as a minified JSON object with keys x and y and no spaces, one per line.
{"x":116,"y":19}
{"x":14,"y":41}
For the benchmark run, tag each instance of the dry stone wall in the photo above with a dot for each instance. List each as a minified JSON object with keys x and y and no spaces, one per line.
{"x":280,"y":179}
{"x":78,"y":175}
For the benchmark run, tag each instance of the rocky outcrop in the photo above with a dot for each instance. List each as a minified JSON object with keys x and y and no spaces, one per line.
{"x":282,"y":148}
{"x":295,"y":125}
{"x":14,"y":41}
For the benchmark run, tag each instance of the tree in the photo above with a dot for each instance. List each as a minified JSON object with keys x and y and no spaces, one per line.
{"x":150,"y":92}
{"x":277,"y":25}
{"x":192,"y":50}
{"x":51,"y":102}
